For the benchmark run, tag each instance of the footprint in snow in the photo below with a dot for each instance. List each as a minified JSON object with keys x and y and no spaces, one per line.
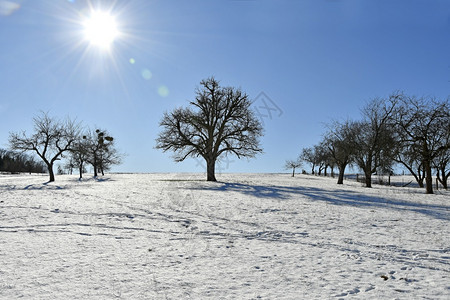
{"x":351,"y":292}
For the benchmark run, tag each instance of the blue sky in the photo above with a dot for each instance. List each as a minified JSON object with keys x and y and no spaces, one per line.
{"x":314,"y":61}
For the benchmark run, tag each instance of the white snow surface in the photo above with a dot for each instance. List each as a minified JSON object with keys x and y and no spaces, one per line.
{"x":248,"y":236}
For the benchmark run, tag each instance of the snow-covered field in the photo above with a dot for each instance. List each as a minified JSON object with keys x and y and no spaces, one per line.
{"x":250,"y":236}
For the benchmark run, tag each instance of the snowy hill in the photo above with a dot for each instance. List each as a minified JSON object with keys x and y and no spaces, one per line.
{"x":250,"y":236}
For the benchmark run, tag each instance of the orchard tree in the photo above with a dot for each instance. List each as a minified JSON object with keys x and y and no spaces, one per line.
{"x":339,"y":140}
{"x":292,"y":164}
{"x":373,"y":140}
{"x":109,"y":156}
{"x":308,"y":155}
{"x":218,"y":122}
{"x":323,"y":158}
{"x":408,"y":158}
{"x":97,"y":148}
{"x":442,"y":165}
{"x":442,"y":161}
{"x":79,"y":155}
{"x":422,"y":127}
{"x":51,"y":138}
{"x":317,"y":156}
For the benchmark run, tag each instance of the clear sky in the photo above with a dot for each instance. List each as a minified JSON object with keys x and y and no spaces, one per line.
{"x":313,"y":60}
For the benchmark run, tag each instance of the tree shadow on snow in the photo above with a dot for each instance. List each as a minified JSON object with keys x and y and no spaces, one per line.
{"x":335,"y":197}
{"x":46,"y":185}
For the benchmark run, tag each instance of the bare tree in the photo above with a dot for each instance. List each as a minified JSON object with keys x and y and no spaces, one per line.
{"x":442,"y":166}
{"x":323,"y":158}
{"x":109,"y":156}
{"x":97,"y":148}
{"x":373,"y":140}
{"x":442,"y":161}
{"x":308,"y":155}
{"x":422,"y":126}
{"x":292,"y":164}
{"x":79,"y":155}
{"x":339,"y":140}
{"x":51,"y":138}
{"x":408,"y":158}
{"x":219,"y":121}
{"x":318,"y":157}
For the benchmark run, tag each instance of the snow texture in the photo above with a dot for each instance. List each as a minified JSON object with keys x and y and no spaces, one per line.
{"x":250,"y":236}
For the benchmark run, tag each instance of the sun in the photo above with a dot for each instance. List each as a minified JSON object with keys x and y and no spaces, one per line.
{"x":100,"y":29}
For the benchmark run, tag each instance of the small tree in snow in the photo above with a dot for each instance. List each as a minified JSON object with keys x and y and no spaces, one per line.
{"x":292,"y":164}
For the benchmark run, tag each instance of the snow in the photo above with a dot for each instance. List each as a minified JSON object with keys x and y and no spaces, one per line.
{"x":249,"y":236}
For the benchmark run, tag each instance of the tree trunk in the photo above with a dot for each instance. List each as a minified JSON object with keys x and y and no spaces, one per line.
{"x":418,"y":176}
{"x":211,"y":170}
{"x":368,"y":179}
{"x":428,"y":177}
{"x":420,"y":182}
{"x":95,"y":166}
{"x":81,"y":170}
{"x":341,"y":174}
{"x":293,"y":172}
{"x":51,"y":173}
{"x":443,"y":180}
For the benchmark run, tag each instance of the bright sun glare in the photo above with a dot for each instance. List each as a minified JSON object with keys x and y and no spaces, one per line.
{"x":101,"y":29}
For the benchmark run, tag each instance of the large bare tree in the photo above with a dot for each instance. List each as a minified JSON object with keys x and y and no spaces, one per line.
{"x":422,"y":126}
{"x":374,"y":139}
{"x":218,"y":122}
{"x":51,"y":138}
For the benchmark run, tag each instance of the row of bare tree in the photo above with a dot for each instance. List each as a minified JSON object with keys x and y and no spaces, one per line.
{"x":54,"y":139}
{"x":398,"y":130}
{"x":15,"y":162}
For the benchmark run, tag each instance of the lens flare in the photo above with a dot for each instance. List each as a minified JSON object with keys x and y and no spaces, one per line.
{"x":163,"y":91}
{"x":7,"y":8}
{"x":146,"y":74}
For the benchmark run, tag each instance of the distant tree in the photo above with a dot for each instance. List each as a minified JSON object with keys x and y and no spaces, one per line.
{"x":14,"y":162}
{"x":339,"y":140}
{"x":308,"y":155}
{"x":292,"y":164}
{"x":60,"y":170}
{"x":219,"y":121}
{"x":323,"y":157}
{"x":97,"y":148}
{"x":79,"y":155}
{"x":318,"y":157}
{"x":70,"y":164}
{"x":51,"y":138}
{"x":109,"y":156}
{"x":374,"y":139}
{"x":422,"y":127}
